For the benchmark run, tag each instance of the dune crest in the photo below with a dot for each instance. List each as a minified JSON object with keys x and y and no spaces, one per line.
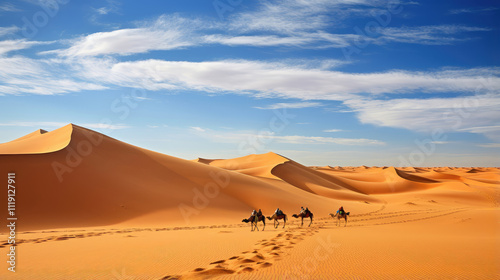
{"x":39,"y":142}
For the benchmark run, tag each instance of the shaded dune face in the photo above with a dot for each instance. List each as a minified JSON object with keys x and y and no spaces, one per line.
{"x":74,"y":177}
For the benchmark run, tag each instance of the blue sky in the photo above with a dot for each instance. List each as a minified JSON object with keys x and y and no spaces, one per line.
{"x":324,"y":82}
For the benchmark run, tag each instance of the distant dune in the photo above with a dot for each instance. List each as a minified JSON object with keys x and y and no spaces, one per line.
{"x":74,"y":176}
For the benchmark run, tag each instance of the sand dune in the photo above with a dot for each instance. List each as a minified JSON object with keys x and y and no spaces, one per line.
{"x":38,"y":142}
{"x":97,"y":180}
{"x":82,"y":191}
{"x":78,"y":177}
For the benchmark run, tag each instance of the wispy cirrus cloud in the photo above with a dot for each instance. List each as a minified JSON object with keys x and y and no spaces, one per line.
{"x":295,"y":23}
{"x":8,"y":30}
{"x":472,"y":10}
{"x":20,"y":44}
{"x":267,"y":138}
{"x":292,"y":16}
{"x":256,"y":40}
{"x":473,"y":114}
{"x":20,"y":75}
{"x":34,"y":124}
{"x":441,"y":142}
{"x":490,"y":145}
{"x":482,"y":129}
{"x":165,"y":33}
{"x":8,"y":7}
{"x":294,"y":105}
{"x":327,"y":140}
{"x":105,"y":126}
{"x":42,"y":124}
{"x":427,"y":35}
{"x":198,"y":129}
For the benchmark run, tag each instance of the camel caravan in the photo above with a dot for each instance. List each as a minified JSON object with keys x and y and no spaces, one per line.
{"x":257,"y":217}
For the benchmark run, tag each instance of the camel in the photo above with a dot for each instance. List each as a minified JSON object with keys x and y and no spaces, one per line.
{"x":340,"y":216}
{"x":254,"y":223}
{"x":307,"y":214}
{"x":276,"y":217}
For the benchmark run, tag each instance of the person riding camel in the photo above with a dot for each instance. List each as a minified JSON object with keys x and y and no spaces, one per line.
{"x":341,"y":210}
{"x":278,"y":212}
{"x":259,"y":214}
{"x":254,"y":213}
{"x":302,"y":210}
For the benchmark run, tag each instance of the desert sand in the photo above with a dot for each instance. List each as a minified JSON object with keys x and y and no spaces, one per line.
{"x":93,"y":207}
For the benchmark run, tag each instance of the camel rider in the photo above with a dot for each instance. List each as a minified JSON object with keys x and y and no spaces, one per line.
{"x":302,"y":210}
{"x":259,"y":213}
{"x":278,"y":212}
{"x":254,"y":213}
{"x":341,"y":210}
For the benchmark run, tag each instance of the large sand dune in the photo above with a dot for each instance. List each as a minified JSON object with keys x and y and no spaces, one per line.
{"x":86,"y":190}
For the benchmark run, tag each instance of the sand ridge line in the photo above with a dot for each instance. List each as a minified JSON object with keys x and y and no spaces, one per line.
{"x":428,"y":214}
{"x":380,"y":215}
{"x":426,"y":218}
{"x":373,"y":212}
{"x":382,"y":208}
{"x":264,"y":253}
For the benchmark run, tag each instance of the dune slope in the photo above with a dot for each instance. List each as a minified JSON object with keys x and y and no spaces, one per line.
{"x":75,"y":177}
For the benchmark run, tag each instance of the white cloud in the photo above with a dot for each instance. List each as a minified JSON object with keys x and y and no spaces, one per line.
{"x":312,"y":40}
{"x":103,"y":10}
{"x":166,"y":33}
{"x":474,"y":114}
{"x":295,"y":139}
{"x":441,"y":142}
{"x":296,"y":105}
{"x":482,"y":129}
{"x":263,"y":79}
{"x":490,"y":130}
{"x":292,"y":23}
{"x":256,"y":40}
{"x":35,"y":124}
{"x":199,"y":129}
{"x":291,"y":16}
{"x":20,"y":44}
{"x":8,"y":30}
{"x":427,"y":35}
{"x":288,"y":79}
{"x":61,"y":124}
{"x":472,"y":10}
{"x":306,"y":24}
{"x":264,"y":138}
{"x":332,"y":130}
{"x":490,"y":145}
{"x":24,"y":75}
{"x":8,"y":7}
{"x":104,"y":126}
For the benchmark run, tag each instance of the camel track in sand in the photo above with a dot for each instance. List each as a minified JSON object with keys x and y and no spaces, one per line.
{"x":263,"y":253}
